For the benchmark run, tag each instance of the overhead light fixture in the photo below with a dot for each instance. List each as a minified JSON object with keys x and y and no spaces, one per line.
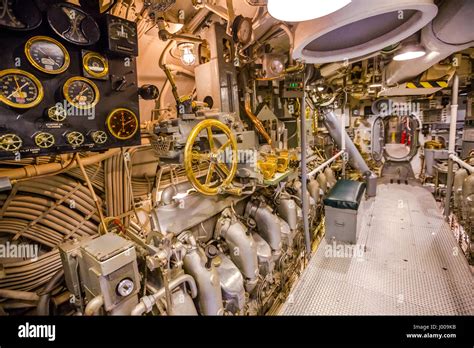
{"x":410,"y":52}
{"x":303,"y":10}
{"x":187,"y":53}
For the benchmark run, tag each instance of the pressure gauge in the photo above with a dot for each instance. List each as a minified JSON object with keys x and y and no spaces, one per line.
{"x":122,"y":123}
{"x":81,"y":93}
{"x":47,"y":55}
{"x":19,"y":15}
{"x":122,"y":36}
{"x":125,"y":287}
{"x":73,"y":24}
{"x":242,"y":30}
{"x":20,"y":89}
{"x":95,"y":65}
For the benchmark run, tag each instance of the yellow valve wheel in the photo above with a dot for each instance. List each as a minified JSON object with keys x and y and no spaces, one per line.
{"x":221,"y":170}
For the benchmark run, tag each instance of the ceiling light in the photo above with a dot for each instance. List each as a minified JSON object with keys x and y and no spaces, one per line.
{"x":303,"y":10}
{"x":187,"y":53}
{"x":410,"y":52}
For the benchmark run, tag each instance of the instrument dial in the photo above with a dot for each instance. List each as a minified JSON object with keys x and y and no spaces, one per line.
{"x":80,"y":92}
{"x":95,"y":64}
{"x":19,"y":15}
{"x":20,"y":89}
{"x":47,"y":55}
{"x":122,"y":123}
{"x":75,"y":138}
{"x":73,"y":24}
{"x":10,"y":142}
{"x":123,"y":30}
{"x":44,"y":140}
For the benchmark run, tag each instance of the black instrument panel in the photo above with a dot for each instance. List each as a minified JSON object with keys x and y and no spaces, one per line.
{"x":59,"y":96}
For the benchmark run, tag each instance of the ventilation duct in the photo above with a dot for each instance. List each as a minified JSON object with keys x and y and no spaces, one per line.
{"x":360,"y":28}
{"x":451,"y":31}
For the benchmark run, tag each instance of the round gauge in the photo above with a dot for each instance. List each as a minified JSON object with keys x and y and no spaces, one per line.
{"x":47,"y":55}
{"x":19,"y":15}
{"x":95,"y":64}
{"x":242,"y":30}
{"x":99,"y":137}
{"x":73,"y":24}
{"x":75,"y":138}
{"x":123,"y":30}
{"x":10,"y":142}
{"x":122,"y":123}
{"x":44,"y":140}
{"x":81,"y":93}
{"x":20,"y":89}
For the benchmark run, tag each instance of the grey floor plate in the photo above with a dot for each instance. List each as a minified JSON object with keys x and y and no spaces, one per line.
{"x":410,"y":264}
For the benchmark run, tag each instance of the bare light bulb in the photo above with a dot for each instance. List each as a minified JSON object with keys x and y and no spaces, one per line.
{"x":187,"y":53}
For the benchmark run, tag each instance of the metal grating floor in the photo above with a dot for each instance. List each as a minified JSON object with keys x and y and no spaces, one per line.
{"x":411,"y":264}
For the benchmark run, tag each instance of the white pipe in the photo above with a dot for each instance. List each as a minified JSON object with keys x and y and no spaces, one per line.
{"x":461,"y":163}
{"x":94,"y":305}
{"x":325,"y":164}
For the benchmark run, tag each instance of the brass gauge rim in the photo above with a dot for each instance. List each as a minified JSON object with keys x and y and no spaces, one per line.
{"x":68,"y":83}
{"x":39,"y":86}
{"x":67,"y":58}
{"x":104,"y":61}
{"x":49,"y":135}
{"x":109,"y":125}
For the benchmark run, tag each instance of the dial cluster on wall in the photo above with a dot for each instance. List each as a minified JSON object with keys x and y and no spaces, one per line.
{"x":68,"y":80}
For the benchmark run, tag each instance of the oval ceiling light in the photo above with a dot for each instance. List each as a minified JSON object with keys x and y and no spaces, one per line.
{"x":359,"y":29}
{"x":409,"y":52}
{"x":303,"y":10}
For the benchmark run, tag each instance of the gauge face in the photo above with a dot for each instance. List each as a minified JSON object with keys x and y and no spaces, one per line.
{"x":122,"y":123}
{"x":122,"y":30}
{"x":47,"y":55}
{"x":73,"y":24}
{"x":20,"y":89}
{"x":7,"y":18}
{"x":19,"y":15}
{"x":242,"y":28}
{"x":80,"y":92}
{"x":95,"y":64}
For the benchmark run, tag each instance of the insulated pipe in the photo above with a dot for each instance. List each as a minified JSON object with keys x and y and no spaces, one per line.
{"x":19,"y":295}
{"x":449,"y":32}
{"x":94,"y":306}
{"x":304,"y":176}
{"x":452,"y":144}
{"x":334,"y":128}
{"x":43,"y":303}
{"x":45,"y":169}
{"x":147,"y":302}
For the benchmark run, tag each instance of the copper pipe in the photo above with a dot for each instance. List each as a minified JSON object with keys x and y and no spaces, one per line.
{"x":258,"y":124}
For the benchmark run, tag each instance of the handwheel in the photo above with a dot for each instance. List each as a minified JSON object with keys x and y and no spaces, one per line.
{"x":221,"y":170}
